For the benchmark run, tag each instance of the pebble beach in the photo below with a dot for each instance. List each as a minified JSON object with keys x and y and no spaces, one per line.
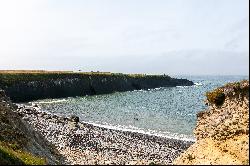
{"x":82,"y":143}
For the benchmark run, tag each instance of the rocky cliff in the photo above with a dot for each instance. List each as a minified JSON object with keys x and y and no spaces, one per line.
{"x":19,"y":142}
{"x":222,"y":131}
{"x":24,"y":86}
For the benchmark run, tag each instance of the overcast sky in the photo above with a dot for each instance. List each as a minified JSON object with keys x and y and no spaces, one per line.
{"x":129,"y":36}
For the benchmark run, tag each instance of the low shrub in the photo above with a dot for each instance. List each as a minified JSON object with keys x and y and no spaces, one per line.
{"x":216,"y":97}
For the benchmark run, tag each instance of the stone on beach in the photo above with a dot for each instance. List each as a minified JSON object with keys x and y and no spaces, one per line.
{"x":82,"y":143}
{"x":74,"y":118}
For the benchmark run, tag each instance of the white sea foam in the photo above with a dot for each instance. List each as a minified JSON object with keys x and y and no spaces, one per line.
{"x":50,"y":101}
{"x":182,"y":86}
{"x":195,"y":84}
{"x":198,"y":84}
{"x":141,"y":90}
{"x":141,"y":131}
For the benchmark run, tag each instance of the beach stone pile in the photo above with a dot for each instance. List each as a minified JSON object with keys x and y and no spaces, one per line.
{"x":82,"y":143}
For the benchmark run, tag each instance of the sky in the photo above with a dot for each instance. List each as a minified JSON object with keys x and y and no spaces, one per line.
{"x":193,"y":37}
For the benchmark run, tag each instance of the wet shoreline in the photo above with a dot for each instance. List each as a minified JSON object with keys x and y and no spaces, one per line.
{"x":83,"y":143}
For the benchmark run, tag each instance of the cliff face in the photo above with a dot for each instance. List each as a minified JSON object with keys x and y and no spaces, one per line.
{"x":19,"y":143}
{"x":21,"y":87}
{"x":222,"y":131}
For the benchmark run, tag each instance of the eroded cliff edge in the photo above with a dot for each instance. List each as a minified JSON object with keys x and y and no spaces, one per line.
{"x":222,"y":131}
{"x":20,"y":144}
{"x":27,"y":86}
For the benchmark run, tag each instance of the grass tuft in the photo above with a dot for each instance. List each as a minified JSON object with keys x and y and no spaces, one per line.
{"x":11,"y":155}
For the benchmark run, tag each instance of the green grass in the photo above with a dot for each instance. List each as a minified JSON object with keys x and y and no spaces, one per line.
{"x":9,"y":77}
{"x":11,"y":155}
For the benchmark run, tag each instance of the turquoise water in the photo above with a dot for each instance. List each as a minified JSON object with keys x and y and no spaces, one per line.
{"x":169,"y":112}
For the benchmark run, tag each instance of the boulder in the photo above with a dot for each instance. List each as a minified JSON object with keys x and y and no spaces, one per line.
{"x":2,"y":93}
{"x":74,"y":118}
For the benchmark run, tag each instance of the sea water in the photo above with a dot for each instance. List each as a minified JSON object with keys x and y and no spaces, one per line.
{"x":167,"y":111}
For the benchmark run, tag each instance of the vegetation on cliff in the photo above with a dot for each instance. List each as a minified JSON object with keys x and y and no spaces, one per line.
{"x":222,"y":131}
{"x":11,"y":77}
{"x":236,"y":89}
{"x":11,"y":154}
{"x":19,"y":143}
{"x":22,"y":86}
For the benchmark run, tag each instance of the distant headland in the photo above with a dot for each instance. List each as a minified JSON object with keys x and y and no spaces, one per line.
{"x":28,"y":85}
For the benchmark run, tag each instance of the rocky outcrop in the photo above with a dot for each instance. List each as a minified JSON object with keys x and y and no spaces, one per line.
{"x":222,"y":131}
{"x":19,"y":142}
{"x":21,"y":87}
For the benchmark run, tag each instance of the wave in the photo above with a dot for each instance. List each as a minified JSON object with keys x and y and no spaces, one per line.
{"x":50,"y":101}
{"x":195,"y":85}
{"x":182,"y":86}
{"x":141,"y":90}
{"x":134,"y":129}
{"x":198,"y":84}
{"x":146,"y":90}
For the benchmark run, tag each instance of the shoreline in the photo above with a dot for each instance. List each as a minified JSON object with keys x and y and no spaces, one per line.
{"x":181,"y":137}
{"x":140,"y":131}
{"x":84,"y":143}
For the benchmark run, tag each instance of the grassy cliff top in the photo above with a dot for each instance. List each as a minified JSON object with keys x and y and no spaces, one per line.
{"x":235,"y":89}
{"x":74,"y":73}
{"x":8,"y":77}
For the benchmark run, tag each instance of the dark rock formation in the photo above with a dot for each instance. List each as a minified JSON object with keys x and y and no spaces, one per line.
{"x":29,"y":86}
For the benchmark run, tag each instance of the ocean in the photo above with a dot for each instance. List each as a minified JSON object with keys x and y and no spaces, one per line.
{"x":167,"y":112}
